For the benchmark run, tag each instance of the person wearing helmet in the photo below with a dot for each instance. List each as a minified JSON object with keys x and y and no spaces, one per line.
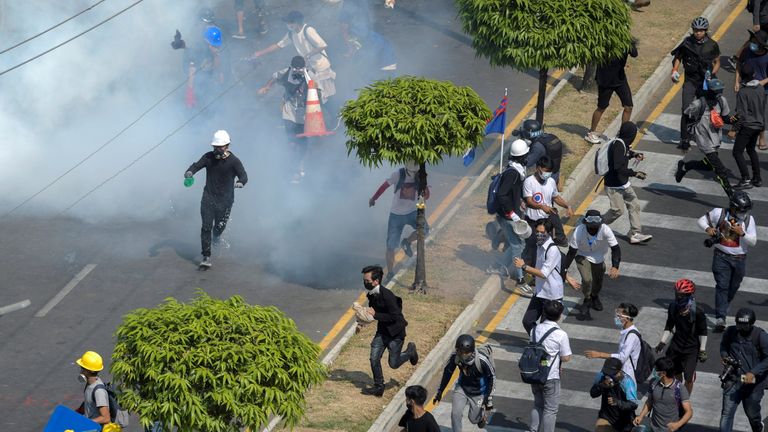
{"x":510,"y":197}
{"x":732,"y":231}
{"x":617,"y":186}
{"x":685,"y":333}
{"x":590,"y":242}
{"x":259,"y":12}
{"x":95,"y":397}
{"x":707,"y":135}
{"x":749,"y":120}
{"x":203,"y":61}
{"x":223,"y":173}
{"x":542,"y":144}
{"x":309,"y":45}
{"x":748,"y":346}
{"x":475,"y":386}
{"x":294,"y":83}
{"x":611,"y":78}
{"x":755,"y":52}
{"x":700,"y":57}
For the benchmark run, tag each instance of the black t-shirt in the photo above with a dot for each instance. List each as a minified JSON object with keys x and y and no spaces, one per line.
{"x":687,"y":331}
{"x":697,"y":57}
{"x":425,"y":423}
{"x":220,"y":176}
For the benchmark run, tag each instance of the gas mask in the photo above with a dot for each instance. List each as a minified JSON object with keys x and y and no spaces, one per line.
{"x":82,"y":379}
{"x":220,"y":152}
{"x":297,"y":74}
{"x":593,"y":229}
{"x":465,"y":359}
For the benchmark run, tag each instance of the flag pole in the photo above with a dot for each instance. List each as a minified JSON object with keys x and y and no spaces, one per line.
{"x":503,"y":133}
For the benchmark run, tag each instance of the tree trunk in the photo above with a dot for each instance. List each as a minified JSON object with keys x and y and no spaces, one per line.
{"x":542,"y":95}
{"x":588,"y":82}
{"x":420,"y":279}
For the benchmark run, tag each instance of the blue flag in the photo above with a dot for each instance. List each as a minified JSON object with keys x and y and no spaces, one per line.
{"x":499,"y":120}
{"x":469,"y":156}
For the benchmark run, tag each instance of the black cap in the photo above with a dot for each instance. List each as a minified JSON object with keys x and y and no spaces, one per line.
{"x":298,"y":62}
{"x":294,"y":17}
{"x":611,"y":367}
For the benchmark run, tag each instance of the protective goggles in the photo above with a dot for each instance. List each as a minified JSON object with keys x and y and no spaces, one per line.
{"x":593,"y":219}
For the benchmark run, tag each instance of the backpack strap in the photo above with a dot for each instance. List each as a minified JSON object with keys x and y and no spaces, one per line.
{"x":545,"y":257}
{"x":640,"y":337}
{"x":545,"y":336}
{"x":93,"y":393}
{"x":304,"y":32}
{"x":400,"y":179}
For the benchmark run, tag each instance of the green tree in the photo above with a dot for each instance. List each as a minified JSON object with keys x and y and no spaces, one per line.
{"x":546,"y":34}
{"x":213,"y":365}
{"x":414,"y":119}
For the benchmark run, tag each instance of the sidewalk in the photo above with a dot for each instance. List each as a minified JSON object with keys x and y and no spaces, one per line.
{"x":670,"y":211}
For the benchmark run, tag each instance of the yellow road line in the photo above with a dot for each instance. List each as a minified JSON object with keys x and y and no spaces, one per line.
{"x":442,"y":206}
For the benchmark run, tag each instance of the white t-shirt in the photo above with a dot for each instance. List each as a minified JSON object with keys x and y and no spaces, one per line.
{"x":306,"y":40}
{"x":557,"y":343}
{"x":593,"y":248}
{"x":550,"y":288}
{"x":540,"y":193}
{"x":404,"y":199}
{"x":629,"y":351}
{"x":731,"y":243}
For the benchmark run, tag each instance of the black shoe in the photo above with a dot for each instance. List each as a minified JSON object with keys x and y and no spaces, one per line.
{"x":757,"y":182}
{"x":745,"y":183}
{"x":680,"y":173}
{"x":597,"y":304}
{"x":481,"y":424}
{"x":406,"y":245}
{"x":414,"y":354}
{"x":375,"y":390}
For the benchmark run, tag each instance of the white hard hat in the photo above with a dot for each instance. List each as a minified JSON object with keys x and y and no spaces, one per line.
{"x":522,"y":229}
{"x":518,"y":148}
{"x":220,"y":138}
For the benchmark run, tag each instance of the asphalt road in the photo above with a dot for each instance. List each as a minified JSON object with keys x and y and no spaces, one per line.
{"x":299,"y":248}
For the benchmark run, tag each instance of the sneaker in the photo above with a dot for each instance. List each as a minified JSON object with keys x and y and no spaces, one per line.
{"x":757,"y":182}
{"x":414,"y":354}
{"x":375,"y":390}
{"x":524,"y":288}
{"x":680,"y":173}
{"x":592,"y":137}
{"x":684,"y":146}
{"x":481,"y":424}
{"x":745,"y":183}
{"x":238,"y":36}
{"x":206,"y":262}
{"x":719,"y":325}
{"x":638,"y":238}
{"x":597,"y":304}
{"x":406,"y":245}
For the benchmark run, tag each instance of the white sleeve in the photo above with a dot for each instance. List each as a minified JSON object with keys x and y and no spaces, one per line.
{"x":314,"y":38}
{"x":392,"y":180}
{"x":551,"y":261}
{"x":574,"y":242}
{"x":565,"y":346}
{"x":551,"y":183}
{"x":750,"y":236}
{"x":714,"y":215}
{"x":527,"y":190}
{"x":610,"y":237}
{"x":285,"y":41}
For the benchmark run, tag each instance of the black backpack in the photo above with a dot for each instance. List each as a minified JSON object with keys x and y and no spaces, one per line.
{"x":492,"y":201}
{"x":534,"y":363}
{"x":116,"y":414}
{"x":554,"y":148}
{"x":645,"y":361}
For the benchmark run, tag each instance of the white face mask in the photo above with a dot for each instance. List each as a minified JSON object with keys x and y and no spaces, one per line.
{"x":545,"y":175}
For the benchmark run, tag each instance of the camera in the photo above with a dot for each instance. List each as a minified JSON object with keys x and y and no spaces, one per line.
{"x":713,"y":240}
{"x":730,"y":368}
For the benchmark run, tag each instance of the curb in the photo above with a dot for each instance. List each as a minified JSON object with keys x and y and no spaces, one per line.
{"x":584,"y":171}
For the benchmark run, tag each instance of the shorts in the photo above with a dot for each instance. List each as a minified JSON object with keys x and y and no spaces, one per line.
{"x":395,"y":227}
{"x":685,"y":363}
{"x":240,"y":4}
{"x":604,"y":96}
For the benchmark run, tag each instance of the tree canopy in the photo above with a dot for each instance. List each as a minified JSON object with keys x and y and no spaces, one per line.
{"x":213,"y":365}
{"x":413,"y":119}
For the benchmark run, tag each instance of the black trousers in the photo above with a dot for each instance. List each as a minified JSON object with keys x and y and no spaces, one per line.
{"x":712,"y":162}
{"x":746,"y":139}
{"x":534,"y":312}
{"x":691,"y":90}
{"x":215,"y":215}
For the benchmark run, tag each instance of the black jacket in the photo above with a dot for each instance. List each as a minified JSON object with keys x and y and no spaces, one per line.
{"x":686,"y":329}
{"x":220,"y":176}
{"x":753,"y":358}
{"x":750,"y":106}
{"x":389,"y":313}
{"x":618,"y":165}
{"x":620,"y":416}
{"x":696,"y":57}
{"x":473,"y":381}
{"x":510,"y":193}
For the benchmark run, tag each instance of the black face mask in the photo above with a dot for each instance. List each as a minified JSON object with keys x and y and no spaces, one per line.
{"x":744,"y":331}
{"x":219,"y":153}
{"x":368,"y":285}
{"x":593,"y":230}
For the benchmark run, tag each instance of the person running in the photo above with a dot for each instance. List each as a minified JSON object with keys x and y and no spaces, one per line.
{"x":223,"y":173}
{"x":546,"y":397}
{"x":549,"y":282}
{"x":749,"y":121}
{"x":707,"y":135}
{"x":755,"y":52}
{"x":474,"y":387}
{"x":618,"y":398}
{"x":629,"y":340}
{"x":687,"y":328}
{"x":611,"y":78}
{"x":700,"y":56}
{"x":668,"y":401}
{"x":590,"y":242}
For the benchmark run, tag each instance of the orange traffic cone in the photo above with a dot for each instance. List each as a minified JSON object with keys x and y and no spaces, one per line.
{"x":314,"y":124}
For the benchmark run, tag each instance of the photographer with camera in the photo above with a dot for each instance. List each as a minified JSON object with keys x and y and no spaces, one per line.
{"x":618,"y":394}
{"x":744,"y":350}
{"x":730,"y":231}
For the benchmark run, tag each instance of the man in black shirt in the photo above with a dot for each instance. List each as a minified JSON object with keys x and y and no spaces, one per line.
{"x":416,"y":418}
{"x":689,"y":325}
{"x":387,"y":309}
{"x":222,"y":168}
{"x":700,"y":56}
{"x":611,"y":78}
{"x":618,"y":398}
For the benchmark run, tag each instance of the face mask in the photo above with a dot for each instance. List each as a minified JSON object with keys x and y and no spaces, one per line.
{"x":82,"y":379}
{"x":219,"y":153}
{"x":593,"y":230}
{"x":655,"y":375}
{"x":541,"y":238}
{"x":368,"y":285}
{"x":754,"y":47}
{"x":545,"y":175}
{"x":744,"y":331}
{"x":408,"y":406}
{"x":617,"y":322}
{"x":740,"y":215}
{"x":466,"y":358}
{"x":683,"y":302}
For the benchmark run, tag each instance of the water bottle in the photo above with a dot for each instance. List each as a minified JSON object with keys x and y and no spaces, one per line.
{"x":188,"y":182}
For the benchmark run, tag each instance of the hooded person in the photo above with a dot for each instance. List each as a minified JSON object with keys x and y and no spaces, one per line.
{"x":749,"y":123}
{"x":590,"y":242}
{"x":617,"y":186}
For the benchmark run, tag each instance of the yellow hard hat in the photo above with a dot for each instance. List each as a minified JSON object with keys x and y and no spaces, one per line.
{"x":91,"y":361}
{"x":111,"y":427}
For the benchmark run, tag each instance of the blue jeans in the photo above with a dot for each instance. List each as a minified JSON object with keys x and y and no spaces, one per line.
{"x":379,"y":343}
{"x":750,"y":398}
{"x":729,"y":271}
{"x":514,"y":248}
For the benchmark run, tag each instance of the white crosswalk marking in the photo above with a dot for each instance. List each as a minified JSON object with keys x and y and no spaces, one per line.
{"x":701,"y":278}
{"x":666,"y":129}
